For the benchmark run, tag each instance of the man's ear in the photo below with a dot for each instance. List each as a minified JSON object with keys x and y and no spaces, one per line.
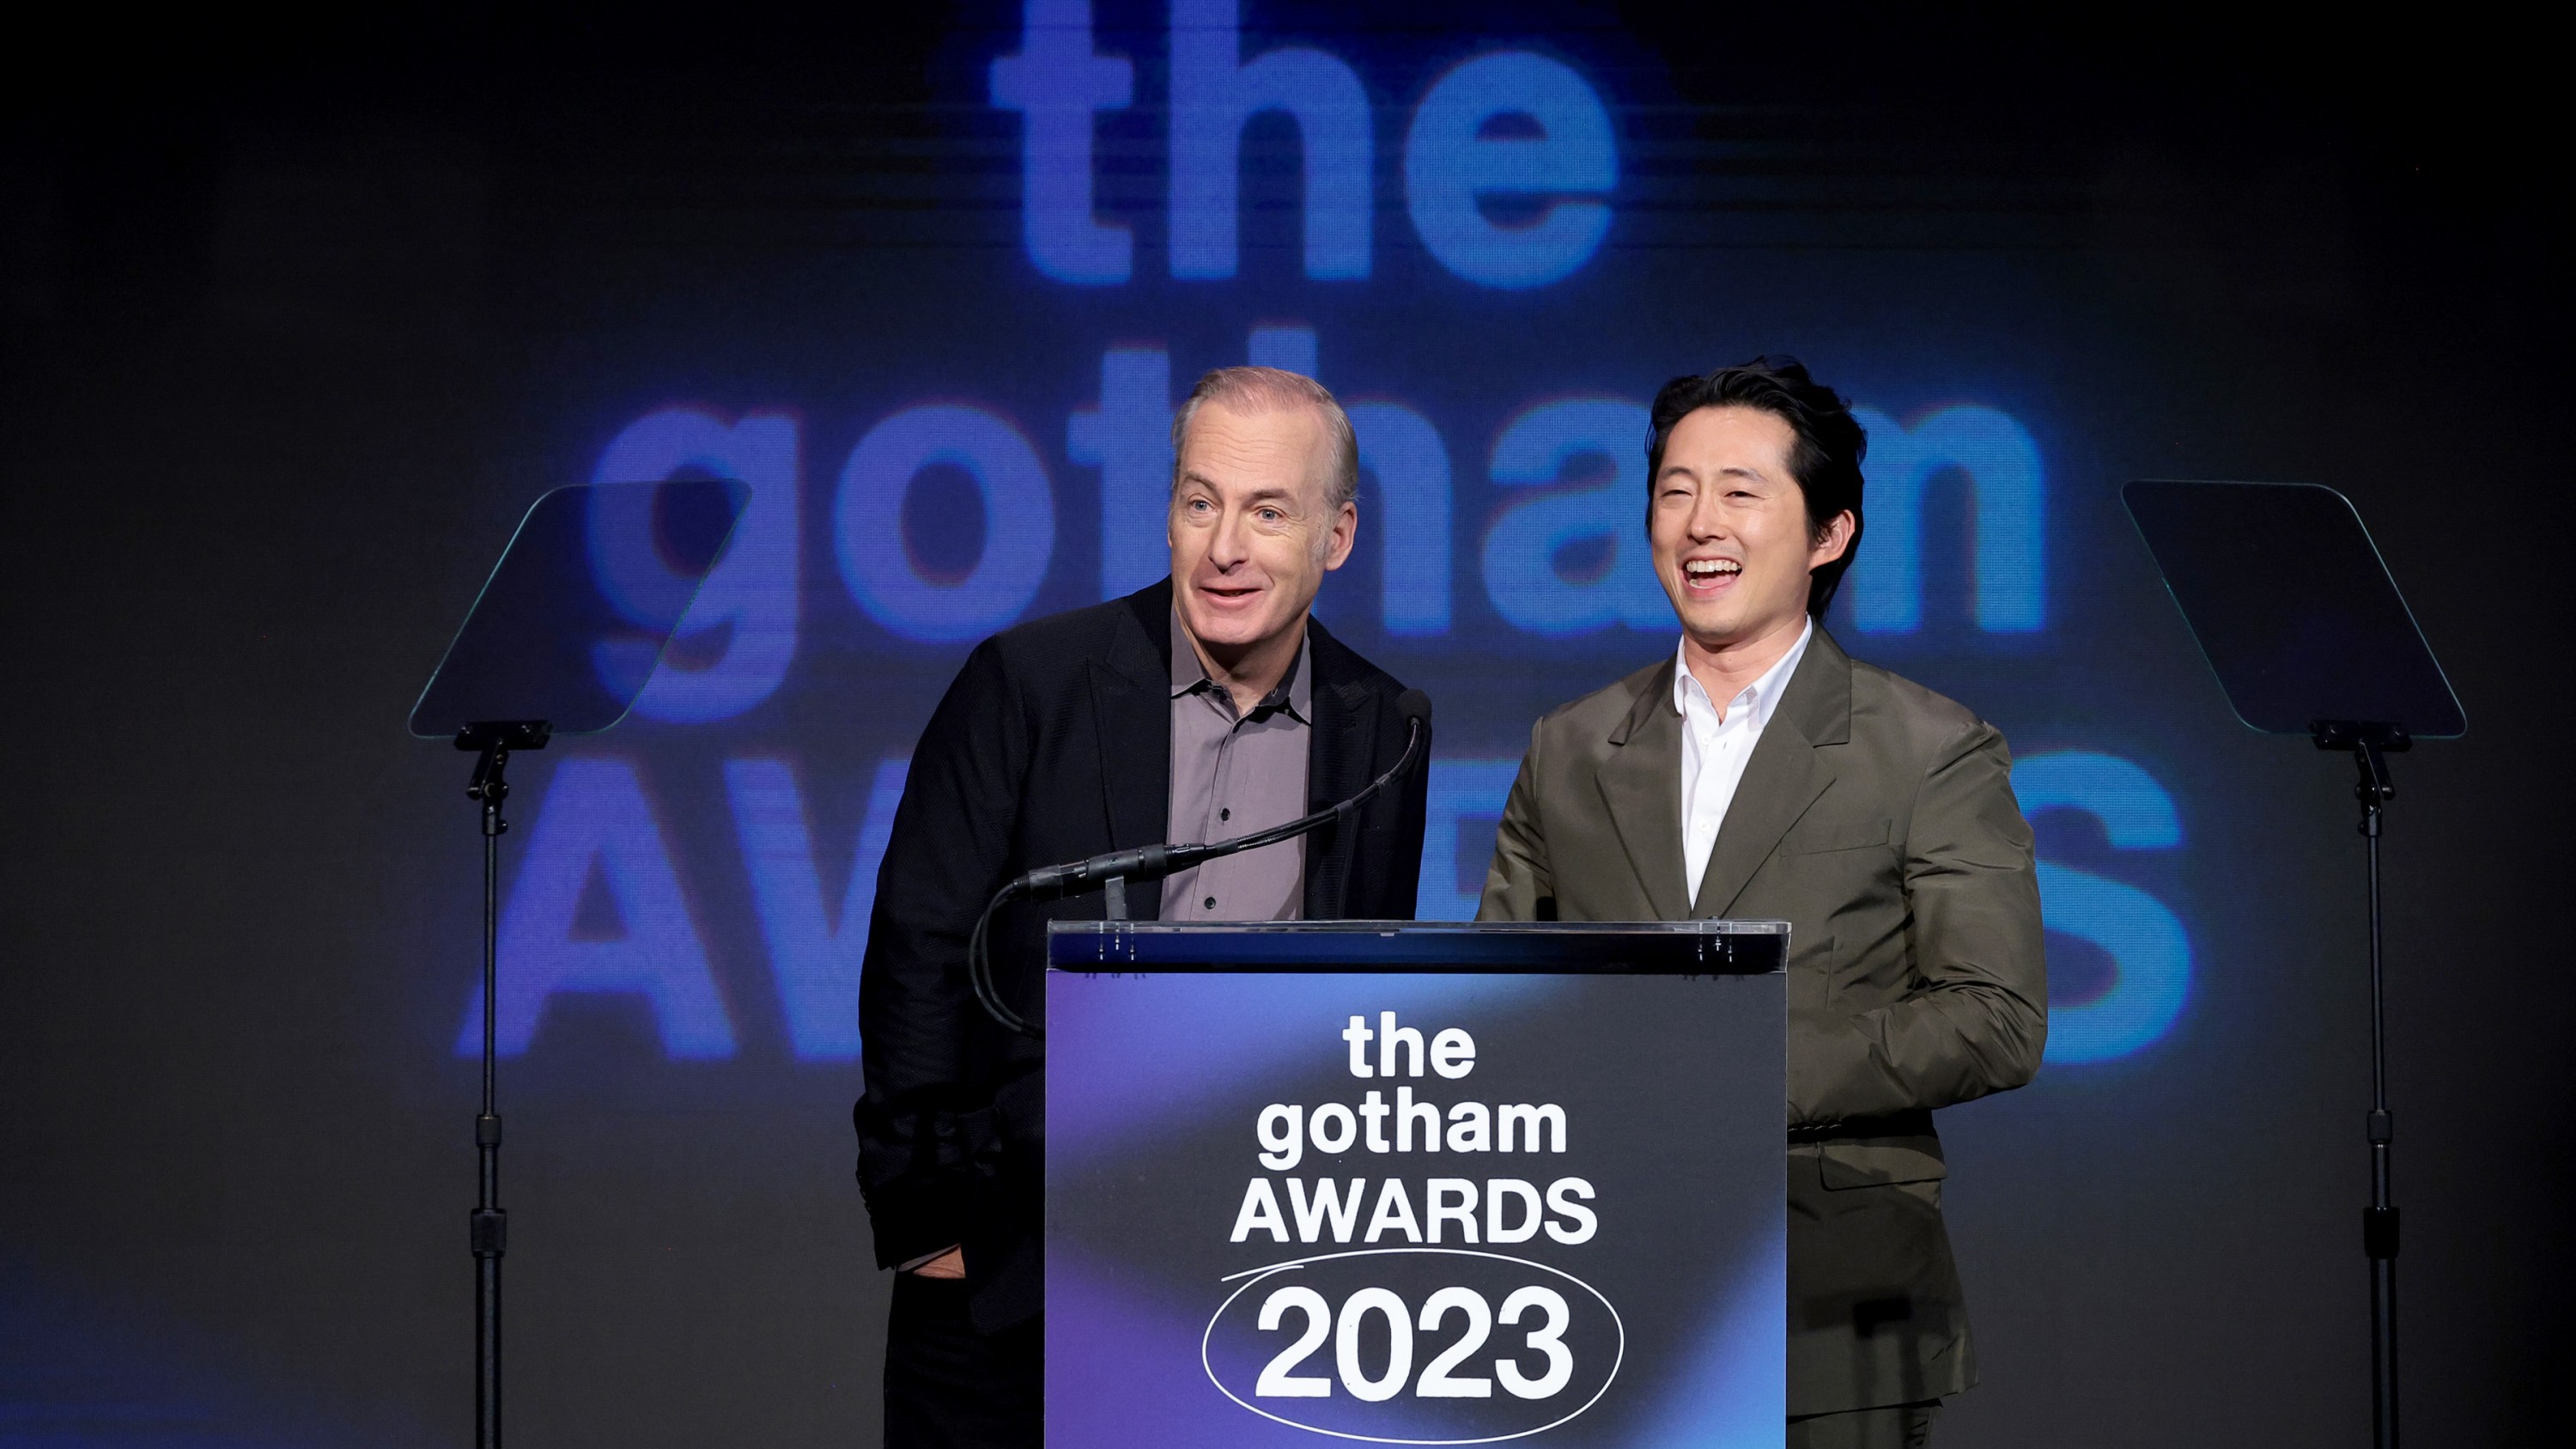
{"x":1833,"y":541}
{"x":1343,"y":537}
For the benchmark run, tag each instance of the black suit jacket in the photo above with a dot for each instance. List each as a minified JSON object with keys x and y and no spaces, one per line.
{"x":1053,"y":744}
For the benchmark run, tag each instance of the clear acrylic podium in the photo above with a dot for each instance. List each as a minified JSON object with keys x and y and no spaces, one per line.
{"x":1408,"y":1183}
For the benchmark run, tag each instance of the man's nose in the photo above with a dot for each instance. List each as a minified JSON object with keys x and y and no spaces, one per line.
{"x":1707,"y":519}
{"x":1226,"y":546}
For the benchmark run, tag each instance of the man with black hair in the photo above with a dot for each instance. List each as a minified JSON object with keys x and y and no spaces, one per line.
{"x":1759,"y":771}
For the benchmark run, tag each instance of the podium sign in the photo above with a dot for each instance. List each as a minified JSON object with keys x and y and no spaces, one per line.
{"x":1404,"y":1184}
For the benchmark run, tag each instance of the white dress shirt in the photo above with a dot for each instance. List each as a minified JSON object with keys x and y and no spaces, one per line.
{"x":1714,"y":750}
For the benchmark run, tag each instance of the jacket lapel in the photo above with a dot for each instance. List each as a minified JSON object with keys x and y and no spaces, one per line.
{"x":1131,"y":703}
{"x":1639,"y":783}
{"x":1790,"y":768}
{"x":1339,"y":757}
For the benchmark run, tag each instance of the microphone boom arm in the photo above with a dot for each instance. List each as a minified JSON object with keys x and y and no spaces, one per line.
{"x":1114,"y":870}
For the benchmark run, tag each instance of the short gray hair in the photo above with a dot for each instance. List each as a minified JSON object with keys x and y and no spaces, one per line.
{"x":1272,"y":389}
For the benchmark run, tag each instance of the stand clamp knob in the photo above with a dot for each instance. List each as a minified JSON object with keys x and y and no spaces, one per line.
{"x":489,"y":1231}
{"x":2379,"y":1232}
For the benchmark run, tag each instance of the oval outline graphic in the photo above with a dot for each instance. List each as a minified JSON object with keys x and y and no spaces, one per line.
{"x":1252,"y":1276}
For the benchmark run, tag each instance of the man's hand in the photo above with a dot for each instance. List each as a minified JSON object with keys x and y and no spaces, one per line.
{"x":951,"y":1264}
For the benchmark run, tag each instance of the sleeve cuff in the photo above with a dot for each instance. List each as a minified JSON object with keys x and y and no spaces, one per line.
{"x":915,"y":1219}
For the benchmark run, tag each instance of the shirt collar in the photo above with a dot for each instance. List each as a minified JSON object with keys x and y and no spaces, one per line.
{"x":1765,"y":692}
{"x":1297,"y":691}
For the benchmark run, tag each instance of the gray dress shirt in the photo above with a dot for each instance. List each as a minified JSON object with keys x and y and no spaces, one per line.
{"x":1233,"y":774}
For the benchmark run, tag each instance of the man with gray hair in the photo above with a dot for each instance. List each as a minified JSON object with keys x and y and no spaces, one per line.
{"x":1207,"y":706}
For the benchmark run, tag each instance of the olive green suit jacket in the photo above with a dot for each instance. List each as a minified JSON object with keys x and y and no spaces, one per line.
{"x":1878,"y":819}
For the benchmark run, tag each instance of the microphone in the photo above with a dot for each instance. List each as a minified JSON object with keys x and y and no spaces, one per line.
{"x":1115,"y":869}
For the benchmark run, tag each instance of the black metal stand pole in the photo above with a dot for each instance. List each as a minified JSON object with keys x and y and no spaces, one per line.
{"x":2370,"y":743}
{"x":2379,"y":1220}
{"x":488,"y":1228}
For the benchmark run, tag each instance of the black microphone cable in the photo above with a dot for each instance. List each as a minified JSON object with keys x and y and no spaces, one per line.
{"x":1153,"y":862}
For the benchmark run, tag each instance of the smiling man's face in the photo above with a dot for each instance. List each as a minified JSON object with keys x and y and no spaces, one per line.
{"x":1729,"y":527}
{"x":1252,"y":532}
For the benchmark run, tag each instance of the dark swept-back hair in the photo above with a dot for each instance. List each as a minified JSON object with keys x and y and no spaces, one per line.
{"x":1824,"y":459}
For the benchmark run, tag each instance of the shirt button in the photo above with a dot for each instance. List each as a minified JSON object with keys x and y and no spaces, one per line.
{"x":1225,"y":815}
{"x":1209,"y":903}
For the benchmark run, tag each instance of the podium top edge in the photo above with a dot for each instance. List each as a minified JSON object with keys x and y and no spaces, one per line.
{"x":1717,"y":947}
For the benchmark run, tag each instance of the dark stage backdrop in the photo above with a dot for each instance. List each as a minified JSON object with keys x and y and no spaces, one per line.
{"x":298,"y":323}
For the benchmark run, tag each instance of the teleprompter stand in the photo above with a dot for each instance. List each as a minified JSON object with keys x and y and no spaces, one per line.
{"x":563,"y":639}
{"x":2298,"y":617}
{"x":488,"y":1229}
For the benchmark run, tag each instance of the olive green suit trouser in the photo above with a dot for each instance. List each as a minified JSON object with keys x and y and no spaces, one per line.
{"x":1898,"y":1426}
